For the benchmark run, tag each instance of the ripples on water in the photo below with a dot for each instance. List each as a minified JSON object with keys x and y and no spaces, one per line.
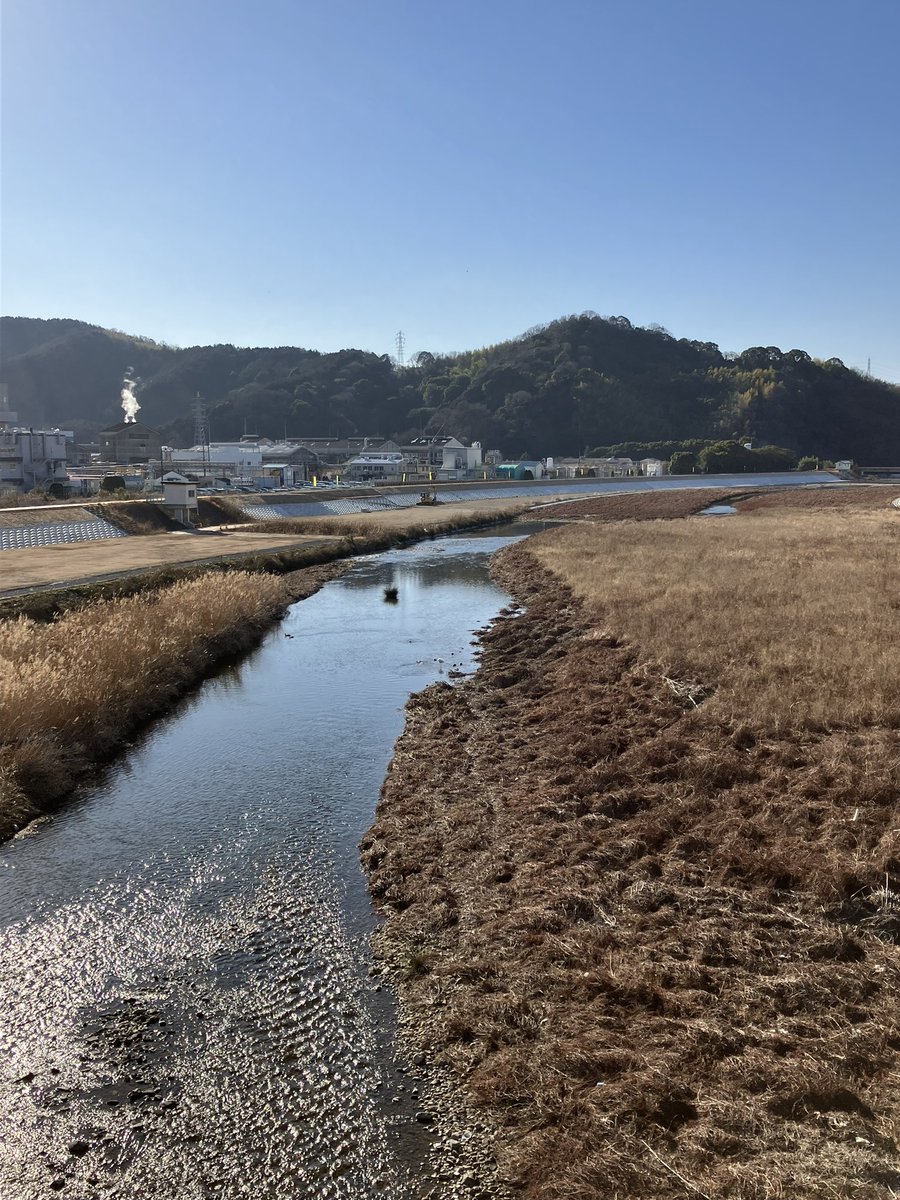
{"x":186,"y":1005}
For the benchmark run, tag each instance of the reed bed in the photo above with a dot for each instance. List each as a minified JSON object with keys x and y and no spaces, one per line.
{"x":72,"y":689}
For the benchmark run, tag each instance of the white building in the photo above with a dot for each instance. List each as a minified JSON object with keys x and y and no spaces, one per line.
{"x":377,"y":466}
{"x":30,"y":458}
{"x":179,"y":497}
{"x":653,"y":467}
{"x":594,"y":468}
{"x":229,"y":459}
{"x":442,"y":457}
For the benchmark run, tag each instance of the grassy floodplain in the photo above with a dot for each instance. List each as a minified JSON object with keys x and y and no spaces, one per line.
{"x":643,"y":870}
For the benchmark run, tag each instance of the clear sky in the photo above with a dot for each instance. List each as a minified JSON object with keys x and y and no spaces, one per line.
{"x":322,"y":174}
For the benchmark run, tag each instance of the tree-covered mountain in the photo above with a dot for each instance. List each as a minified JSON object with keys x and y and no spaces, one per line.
{"x":573,"y":385}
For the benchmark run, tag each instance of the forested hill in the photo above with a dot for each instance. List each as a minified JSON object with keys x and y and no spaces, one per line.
{"x":573,"y":385}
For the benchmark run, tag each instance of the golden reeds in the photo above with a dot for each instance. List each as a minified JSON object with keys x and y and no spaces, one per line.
{"x":70,"y":690}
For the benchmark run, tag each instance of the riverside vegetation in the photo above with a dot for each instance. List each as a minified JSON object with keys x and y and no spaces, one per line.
{"x":642,"y":872}
{"x":74,"y":688}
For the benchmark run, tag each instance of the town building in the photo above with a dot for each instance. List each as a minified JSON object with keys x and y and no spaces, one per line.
{"x":30,"y":458}
{"x":180,"y":497}
{"x":440,"y":457}
{"x":526,"y":469}
{"x":337,"y":451}
{"x":130,"y":443}
{"x":593,"y":468}
{"x":653,"y":468}
{"x":229,"y":460}
{"x":377,"y":466}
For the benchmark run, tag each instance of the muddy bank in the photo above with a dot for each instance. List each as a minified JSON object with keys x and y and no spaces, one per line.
{"x":657,"y":951}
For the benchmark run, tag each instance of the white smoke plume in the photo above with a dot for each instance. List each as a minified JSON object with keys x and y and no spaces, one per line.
{"x":129,"y":400}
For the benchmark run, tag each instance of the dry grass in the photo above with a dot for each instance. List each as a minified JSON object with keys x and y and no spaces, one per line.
{"x":67,"y":565}
{"x":138,"y":518}
{"x":12,"y":518}
{"x":655,"y":937}
{"x":411,"y":522}
{"x":73,"y":689}
{"x":861,"y":495}
{"x":641,"y":506}
{"x":790,"y":619}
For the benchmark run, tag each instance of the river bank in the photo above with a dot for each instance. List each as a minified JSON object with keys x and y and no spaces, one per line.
{"x":650,"y":931}
{"x":74,"y":690}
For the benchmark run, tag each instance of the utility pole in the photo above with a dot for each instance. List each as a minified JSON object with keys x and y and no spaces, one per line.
{"x":201,"y":432}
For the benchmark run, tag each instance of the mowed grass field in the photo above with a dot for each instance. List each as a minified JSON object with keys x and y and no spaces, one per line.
{"x":642,"y":873}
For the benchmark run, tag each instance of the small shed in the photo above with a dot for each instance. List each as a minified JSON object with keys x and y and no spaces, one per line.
{"x":180,"y":497}
{"x":526,"y":469}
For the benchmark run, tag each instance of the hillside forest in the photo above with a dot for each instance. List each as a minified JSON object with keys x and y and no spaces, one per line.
{"x":580,"y":385}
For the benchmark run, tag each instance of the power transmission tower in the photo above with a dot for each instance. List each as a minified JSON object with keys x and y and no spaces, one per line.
{"x":400,"y":343}
{"x":201,"y":432}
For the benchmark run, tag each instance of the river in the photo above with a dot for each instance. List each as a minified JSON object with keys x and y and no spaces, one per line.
{"x":187,"y":1004}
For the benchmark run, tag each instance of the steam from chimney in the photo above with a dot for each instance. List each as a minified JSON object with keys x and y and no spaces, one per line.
{"x":129,"y":400}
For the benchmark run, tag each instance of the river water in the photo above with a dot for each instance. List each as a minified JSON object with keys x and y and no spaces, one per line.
{"x":186,"y":1008}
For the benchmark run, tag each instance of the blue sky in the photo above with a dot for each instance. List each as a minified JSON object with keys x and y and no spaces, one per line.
{"x":272,"y":172}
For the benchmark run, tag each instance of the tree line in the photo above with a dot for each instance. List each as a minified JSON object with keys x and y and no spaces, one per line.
{"x":565,"y":388}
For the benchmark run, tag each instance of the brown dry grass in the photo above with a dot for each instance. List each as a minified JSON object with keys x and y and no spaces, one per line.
{"x":71,"y":690}
{"x":414,"y":521}
{"x":641,"y":506}
{"x":656,"y":938}
{"x":860,"y":495}
{"x":790,"y":618}
{"x":13,"y":519}
{"x":138,"y":519}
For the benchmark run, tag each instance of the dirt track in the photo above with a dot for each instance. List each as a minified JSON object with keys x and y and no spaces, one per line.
{"x":85,"y":561}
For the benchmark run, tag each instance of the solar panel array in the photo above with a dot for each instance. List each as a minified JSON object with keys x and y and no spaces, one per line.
{"x":58,"y":533}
